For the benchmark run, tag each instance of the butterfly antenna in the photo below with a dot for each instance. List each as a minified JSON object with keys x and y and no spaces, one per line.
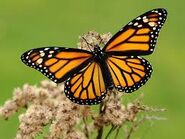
{"x":88,"y":44}
{"x":100,"y":39}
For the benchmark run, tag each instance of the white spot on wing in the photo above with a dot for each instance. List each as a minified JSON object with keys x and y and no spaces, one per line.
{"x":42,"y":54}
{"x":39,"y":61}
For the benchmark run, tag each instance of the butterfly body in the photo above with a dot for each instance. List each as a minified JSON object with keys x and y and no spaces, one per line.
{"x":101,"y":58}
{"x":88,"y":75}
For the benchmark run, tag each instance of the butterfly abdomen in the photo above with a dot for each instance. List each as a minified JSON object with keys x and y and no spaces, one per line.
{"x":107,"y":76}
{"x":100,"y":57}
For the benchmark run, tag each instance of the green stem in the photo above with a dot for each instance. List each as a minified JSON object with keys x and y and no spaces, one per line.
{"x":100,"y":131}
{"x":117,"y":132}
{"x":134,"y":127}
{"x":86,"y":130}
{"x":110,"y":131}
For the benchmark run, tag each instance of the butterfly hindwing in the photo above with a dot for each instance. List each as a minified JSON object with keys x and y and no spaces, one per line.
{"x":138,"y":37}
{"x":129,"y":73}
{"x":57,"y":63}
{"x":86,"y":87}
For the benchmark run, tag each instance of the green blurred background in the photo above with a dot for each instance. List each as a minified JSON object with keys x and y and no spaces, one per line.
{"x":26,"y":24}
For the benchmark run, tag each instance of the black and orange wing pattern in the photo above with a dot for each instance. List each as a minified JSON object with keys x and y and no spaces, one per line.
{"x":85,"y":82}
{"x":57,"y":63}
{"x":129,"y":73}
{"x":86,"y":87}
{"x":138,"y":37}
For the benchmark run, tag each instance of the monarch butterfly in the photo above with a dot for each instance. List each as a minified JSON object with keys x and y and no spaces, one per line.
{"x":89,"y":75}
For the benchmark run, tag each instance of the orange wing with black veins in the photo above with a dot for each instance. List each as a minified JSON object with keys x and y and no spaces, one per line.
{"x":87,"y":87}
{"x":129,"y":73}
{"x":57,"y":63}
{"x":138,"y":37}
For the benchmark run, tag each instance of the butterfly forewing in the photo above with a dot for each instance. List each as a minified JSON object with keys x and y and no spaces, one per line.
{"x":57,"y":63}
{"x":87,"y":86}
{"x":129,"y":73}
{"x":138,"y":37}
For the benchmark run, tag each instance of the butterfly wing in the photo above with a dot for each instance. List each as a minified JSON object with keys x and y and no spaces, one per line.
{"x":87,"y":87}
{"x":129,"y":73}
{"x":138,"y":37}
{"x":57,"y":63}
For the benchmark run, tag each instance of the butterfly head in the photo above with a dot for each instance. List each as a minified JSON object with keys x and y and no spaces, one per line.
{"x":98,"y":53}
{"x":97,"y":49}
